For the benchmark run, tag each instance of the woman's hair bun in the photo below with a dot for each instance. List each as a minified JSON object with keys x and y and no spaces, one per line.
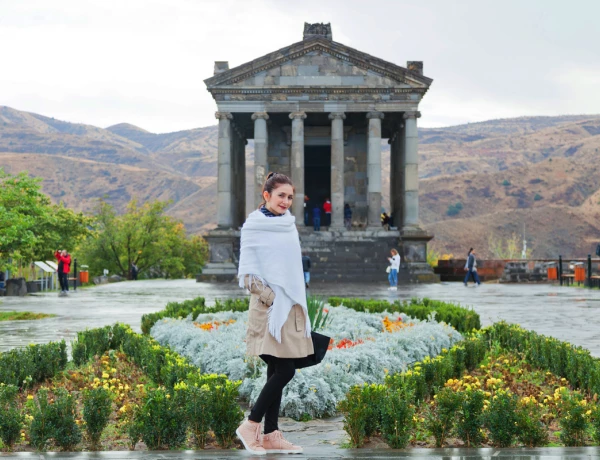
{"x":271,"y":174}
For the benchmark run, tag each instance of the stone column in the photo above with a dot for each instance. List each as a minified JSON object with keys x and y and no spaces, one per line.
{"x":374,"y":169}
{"x":410,"y":172}
{"x":224,"y":171}
{"x":297,"y":165}
{"x":337,"y":169}
{"x":261,"y":146}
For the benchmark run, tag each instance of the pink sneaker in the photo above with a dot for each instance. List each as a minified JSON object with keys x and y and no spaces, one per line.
{"x":249,"y":434}
{"x":274,"y":443}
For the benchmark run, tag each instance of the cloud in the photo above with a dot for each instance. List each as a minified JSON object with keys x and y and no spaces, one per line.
{"x":144,"y":61}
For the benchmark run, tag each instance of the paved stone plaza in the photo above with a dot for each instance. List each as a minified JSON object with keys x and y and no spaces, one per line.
{"x":569,"y":314}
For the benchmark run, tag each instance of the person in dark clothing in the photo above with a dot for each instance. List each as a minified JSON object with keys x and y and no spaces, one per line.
{"x":306,"y":209}
{"x":64,"y":267}
{"x":347,"y":216}
{"x":385,"y":221}
{"x":317,"y":218}
{"x":306,"y":269}
{"x":471,"y":267}
{"x":134,"y":271}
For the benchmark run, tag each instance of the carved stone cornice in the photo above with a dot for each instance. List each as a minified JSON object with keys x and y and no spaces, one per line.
{"x":379,"y":115}
{"x":337,"y":116}
{"x":298,"y":115}
{"x":223,"y":116}
{"x":413,"y":114}
{"x":260,"y":115}
{"x":322,"y":44}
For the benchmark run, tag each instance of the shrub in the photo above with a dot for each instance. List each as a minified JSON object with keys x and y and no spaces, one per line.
{"x":355,"y":413}
{"x":538,"y":197}
{"x":506,"y":183}
{"x":40,"y":429}
{"x":11,"y":418}
{"x":97,"y":407}
{"x":470,"y":417}
{"x":161,"y":421}
{"x":595,"y":423}
{"x":573,"y":411}
{"x":196,"y":404}
{"x":440,"y":415}
{"x":228,"y":414}
{"x":90,"y":343}
{"x":32,"y":364}
{"x":460,"y":318}
{"x":64,"y":429}
{"x":500,"y":418}
{"x":397,"y":418}
{"x":454,"y":209}
{"x":531,"y":431}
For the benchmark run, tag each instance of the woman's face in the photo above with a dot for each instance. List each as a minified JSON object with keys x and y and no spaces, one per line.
{"x":280,"y":200}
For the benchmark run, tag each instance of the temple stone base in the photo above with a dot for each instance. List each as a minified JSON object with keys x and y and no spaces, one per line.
{"x":224,"y":251}
{"x":336,"y":255}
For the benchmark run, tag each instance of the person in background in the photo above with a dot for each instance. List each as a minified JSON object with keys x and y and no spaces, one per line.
{"x":306,"y":209}
{"x":317,"y":218}
{"x":306,"y":268}
{"x":385,"y":221}
{"x":327,"y":211}
{"x":347,"y":216}
{"x":394,"y":267}
{"x":64,"y":267}
{"x":471,"y":267}
{"x":134,"y":271}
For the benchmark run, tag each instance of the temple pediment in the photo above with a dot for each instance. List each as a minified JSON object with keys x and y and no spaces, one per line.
{"x":318,"y":62}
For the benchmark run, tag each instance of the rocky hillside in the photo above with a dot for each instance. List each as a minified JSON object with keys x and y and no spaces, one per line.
{"x":478,"y":179}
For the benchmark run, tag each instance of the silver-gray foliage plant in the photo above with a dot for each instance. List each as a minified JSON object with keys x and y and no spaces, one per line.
{"x":314,"y":391}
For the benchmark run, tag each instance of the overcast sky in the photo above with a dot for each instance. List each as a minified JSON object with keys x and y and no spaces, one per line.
{"x":144,"y":61}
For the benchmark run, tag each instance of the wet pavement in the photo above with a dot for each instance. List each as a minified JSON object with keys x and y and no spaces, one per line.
{"x":567,"y":313}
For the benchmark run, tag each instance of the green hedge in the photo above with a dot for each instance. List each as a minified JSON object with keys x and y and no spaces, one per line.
{"x":161,"y":364}
{"x":32,"y":364}
{"x":576,"y":364}
{"x":460,"y":318}
{"x":194,"y":307}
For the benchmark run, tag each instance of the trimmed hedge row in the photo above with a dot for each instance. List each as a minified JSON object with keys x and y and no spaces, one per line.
{"x":161,"y":364}
{"x":460,"y":318}
{"x":576,"y":364}
{"x":194,"y":307}
{"x":425,"y":378}
{"x":32,"y":364}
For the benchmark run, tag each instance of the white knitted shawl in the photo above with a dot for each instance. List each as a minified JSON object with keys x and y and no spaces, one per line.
{"x":270,"y":252}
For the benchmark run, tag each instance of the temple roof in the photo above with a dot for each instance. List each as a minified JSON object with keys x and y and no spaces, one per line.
{"x":319,"y":62}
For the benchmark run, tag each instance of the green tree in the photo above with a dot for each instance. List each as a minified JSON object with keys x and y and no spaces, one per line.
{"x":31,"y":227}
{"x":156,"y":243}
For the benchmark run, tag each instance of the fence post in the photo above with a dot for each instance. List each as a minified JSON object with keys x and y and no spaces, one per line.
{"x":589,"y":271}
{"x":75,"y":268}
{"x":560,"y":279}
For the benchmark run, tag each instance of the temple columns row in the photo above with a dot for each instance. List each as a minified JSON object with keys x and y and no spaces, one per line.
{"x":404,"y":180}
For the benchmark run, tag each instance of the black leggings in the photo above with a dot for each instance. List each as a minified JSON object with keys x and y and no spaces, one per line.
{"x":279,"y":373}
{"x":63,"y":279}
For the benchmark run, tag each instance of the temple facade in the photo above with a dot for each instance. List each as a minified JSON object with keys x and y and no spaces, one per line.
{"x":318,"y":111}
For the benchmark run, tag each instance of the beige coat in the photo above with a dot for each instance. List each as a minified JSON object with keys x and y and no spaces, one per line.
{"x":260,"y":342}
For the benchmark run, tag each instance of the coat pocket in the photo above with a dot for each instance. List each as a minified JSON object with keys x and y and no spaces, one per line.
{"x":300,"y":321}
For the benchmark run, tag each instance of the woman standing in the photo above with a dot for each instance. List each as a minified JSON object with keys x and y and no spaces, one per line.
{"x":394,"y":267}
{"x":278,"y":323}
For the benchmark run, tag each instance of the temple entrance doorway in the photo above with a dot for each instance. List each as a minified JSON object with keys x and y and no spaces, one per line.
{"x":317,"y":178}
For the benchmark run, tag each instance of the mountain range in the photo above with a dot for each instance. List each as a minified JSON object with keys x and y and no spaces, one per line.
{"x":536,"y":176}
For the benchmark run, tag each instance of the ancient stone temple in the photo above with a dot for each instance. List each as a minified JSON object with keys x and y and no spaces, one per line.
{"x":318,"y":111}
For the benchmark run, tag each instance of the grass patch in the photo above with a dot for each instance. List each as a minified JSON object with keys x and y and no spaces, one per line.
{"x":22,"y":315}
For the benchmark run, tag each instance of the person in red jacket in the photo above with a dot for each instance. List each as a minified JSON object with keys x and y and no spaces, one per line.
{"x":64,"y":267}
{"x":327,"y":210}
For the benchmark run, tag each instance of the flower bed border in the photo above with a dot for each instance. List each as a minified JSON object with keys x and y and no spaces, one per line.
{"x":462,"y":319}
